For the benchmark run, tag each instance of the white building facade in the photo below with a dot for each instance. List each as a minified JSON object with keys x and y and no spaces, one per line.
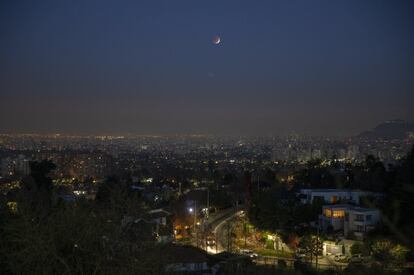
{"x":349,"y":219}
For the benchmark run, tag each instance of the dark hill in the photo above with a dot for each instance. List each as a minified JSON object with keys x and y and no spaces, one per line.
{"x":392,"y":129}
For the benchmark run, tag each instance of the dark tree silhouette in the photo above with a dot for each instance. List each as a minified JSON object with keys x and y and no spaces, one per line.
{"x":35,"y":194}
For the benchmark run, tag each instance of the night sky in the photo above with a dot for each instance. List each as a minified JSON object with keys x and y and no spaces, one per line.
{"x":150,"y":67}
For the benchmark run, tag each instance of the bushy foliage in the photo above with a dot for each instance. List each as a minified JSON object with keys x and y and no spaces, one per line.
{"x":388,"y":253}
{"x":60,"y":237}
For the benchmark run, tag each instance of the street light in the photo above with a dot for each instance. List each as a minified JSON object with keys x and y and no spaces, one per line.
{"x":194,"y":212}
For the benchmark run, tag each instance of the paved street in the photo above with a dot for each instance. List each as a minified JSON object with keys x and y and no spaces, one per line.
{"x":217,"y":227}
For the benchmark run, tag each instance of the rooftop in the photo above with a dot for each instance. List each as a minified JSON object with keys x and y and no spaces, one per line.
{"x":350,"y":207}
{"x":333,"y":190}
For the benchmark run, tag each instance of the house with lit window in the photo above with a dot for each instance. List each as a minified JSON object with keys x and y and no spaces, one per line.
{"x":333,"y":217}
{"x":332,"y":195}
{"x":348,"y":219}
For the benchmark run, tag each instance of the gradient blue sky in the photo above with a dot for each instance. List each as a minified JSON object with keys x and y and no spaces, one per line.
{"x":149,"y":67}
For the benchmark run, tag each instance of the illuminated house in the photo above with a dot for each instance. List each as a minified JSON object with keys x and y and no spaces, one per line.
{"x":349,"y":219}
{"x":332,"y":195}
{"x":333,"y":217}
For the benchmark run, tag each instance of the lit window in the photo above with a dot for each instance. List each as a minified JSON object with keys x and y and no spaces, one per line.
{"x":338,"y":214}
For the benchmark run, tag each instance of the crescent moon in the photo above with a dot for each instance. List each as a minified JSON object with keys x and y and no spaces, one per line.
{"x":216,"y":40}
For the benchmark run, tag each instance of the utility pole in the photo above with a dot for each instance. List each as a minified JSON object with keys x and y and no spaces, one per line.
{"x":206,"y":216}
{"x":208,"y":203}
{"x":228,"y":237}
{"x":195,"y":222}
{"x":215,"y":237}
{"x":317,"y":245}
{"x":245,"y":233}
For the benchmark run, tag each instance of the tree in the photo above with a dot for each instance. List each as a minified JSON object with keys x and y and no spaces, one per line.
{"x":375,"y":176}
{"x":388,"y":253}
{"x":82,"y":237}
{"x":358,"y":248}
{"x":219,"y":199}
{"x":277,"y":209}
{"x":315,"y":175}
{"x":273,"y":210}
{"x":35,"y":194}
{"x":399,"y":202}
{"x":117,"y":199}
{"x":312,"y":245}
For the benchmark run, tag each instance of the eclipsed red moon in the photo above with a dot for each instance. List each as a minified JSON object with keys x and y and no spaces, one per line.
{"x":216,"y":40}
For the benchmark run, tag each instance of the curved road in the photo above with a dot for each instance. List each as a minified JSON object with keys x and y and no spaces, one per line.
{"x":215,"y":225}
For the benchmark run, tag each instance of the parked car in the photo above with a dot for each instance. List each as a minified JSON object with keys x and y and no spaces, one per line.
{"x":356,"y":258}
{"x":253,"y":255}
{"x":300,"y":254}
{"x":249,"y":253}
{"x":340,"y":258}
{"x":211,"y":241}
